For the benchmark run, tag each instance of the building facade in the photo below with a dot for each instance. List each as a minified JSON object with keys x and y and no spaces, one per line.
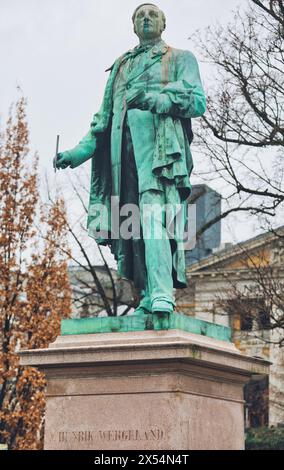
{"x":242,"y":286}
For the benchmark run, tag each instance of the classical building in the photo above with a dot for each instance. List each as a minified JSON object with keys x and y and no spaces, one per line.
{"x":242,"y":286}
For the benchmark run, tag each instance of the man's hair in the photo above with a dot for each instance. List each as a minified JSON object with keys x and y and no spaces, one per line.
{"x":153,"y":5}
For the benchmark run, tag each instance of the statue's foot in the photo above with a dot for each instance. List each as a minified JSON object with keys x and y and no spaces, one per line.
{"x":144,"y":307}
{"x":162,"y":306}
{"x":159,"y":307}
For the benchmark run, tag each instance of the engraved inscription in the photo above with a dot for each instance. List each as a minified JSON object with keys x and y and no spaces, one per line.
{"x":83,"y":436}
{"x":63,"y":437}
{"x":132,"y":435}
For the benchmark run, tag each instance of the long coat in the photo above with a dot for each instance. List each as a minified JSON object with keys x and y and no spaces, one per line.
{"x":163,"y":155}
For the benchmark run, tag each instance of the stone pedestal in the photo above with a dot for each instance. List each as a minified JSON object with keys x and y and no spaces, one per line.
{"x":145,"y":390}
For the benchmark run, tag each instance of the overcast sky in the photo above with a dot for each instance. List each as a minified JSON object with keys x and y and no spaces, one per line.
{"x":58,"y":50}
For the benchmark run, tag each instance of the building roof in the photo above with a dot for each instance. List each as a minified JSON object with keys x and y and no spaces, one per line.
{"x":233,"y":251}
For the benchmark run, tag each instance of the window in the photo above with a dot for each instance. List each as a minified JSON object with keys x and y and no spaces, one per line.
{"x":248,"y":314}
{"x":246,"y":321}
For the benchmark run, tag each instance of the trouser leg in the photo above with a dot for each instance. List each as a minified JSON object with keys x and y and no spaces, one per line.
{"x":135,"y":246}
{"x":151,"y":257}
{"x":158,"y":255}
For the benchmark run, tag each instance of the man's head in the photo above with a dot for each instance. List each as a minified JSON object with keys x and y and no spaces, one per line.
{"x":149,"y":21}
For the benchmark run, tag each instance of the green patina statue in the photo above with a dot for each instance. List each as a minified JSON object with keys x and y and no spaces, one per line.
{"x":139,"y":143}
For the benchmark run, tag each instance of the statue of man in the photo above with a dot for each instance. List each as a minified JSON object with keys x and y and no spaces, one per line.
{"x":139,"y":143}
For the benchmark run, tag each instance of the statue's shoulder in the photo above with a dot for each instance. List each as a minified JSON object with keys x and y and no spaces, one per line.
{"x":182,"y":53}
{"x":184,"y":58}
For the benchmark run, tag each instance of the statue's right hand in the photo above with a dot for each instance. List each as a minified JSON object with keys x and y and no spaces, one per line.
{"x":61,"y":161}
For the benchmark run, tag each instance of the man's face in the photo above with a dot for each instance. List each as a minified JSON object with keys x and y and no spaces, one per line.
{"x":148,"y":22}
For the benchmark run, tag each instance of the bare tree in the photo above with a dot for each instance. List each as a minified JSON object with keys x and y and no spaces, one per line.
{"x":242,"y":133}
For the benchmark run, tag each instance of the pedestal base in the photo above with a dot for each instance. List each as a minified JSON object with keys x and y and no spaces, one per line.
{"x":145,"y":390}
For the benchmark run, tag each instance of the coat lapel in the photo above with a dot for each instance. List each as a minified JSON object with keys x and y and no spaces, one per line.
{"x":150,"y":58}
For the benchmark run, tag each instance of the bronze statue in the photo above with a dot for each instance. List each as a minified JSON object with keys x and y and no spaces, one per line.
{"x":139,"y":143}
